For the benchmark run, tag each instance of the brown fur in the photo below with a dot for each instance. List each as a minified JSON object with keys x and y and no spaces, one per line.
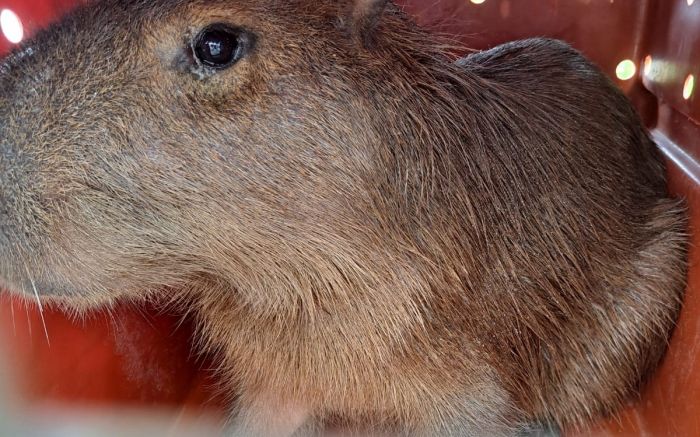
{"x":371,"y":235}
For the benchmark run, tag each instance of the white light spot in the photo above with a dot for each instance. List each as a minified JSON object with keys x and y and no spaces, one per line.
{"x":626,"y":70}
{"x":688,"y":87}
{"x":477,"y":2}
{"x":11,"y":26}
{"x":648,"y":64}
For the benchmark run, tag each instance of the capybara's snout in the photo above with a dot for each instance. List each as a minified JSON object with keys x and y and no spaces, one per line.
{"x":70,"y":129}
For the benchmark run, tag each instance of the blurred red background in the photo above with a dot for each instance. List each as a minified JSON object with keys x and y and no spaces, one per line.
{"x":34,"y":14}
{"x":141,"y":357}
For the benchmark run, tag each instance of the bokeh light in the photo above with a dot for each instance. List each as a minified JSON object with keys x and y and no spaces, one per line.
{"x":626,"y":70}
{"x":648,"y":61}
{"x":688,"y":87}
{"x":11,"y":26}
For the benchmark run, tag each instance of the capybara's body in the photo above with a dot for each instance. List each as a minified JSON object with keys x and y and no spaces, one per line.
{"x":372,"y":236}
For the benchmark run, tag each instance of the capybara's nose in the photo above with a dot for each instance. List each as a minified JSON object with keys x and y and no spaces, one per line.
{"x":14,"y":132}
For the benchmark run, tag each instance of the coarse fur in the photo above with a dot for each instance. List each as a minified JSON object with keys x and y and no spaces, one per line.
{"x":371,"y":235}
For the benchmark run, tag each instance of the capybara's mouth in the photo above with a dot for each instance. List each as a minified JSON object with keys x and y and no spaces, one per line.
{"x":5,"y":287}
{"x":28,"y":286}
{"x":11,"y":278}
{"x":9,"y":287}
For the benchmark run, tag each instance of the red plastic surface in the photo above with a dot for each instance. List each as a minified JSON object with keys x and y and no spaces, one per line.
{"x":144,"y":358}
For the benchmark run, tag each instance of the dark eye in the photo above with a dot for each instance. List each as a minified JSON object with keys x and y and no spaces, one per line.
{"x":219,"y":46}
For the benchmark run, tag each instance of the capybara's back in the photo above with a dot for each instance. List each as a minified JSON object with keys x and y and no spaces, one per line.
{"x":373,"y":237}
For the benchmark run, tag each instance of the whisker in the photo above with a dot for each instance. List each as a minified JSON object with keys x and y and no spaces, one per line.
{"x":26,"y":311}
{"x":38,"y":301}
{"x":24,"y":301}
{"x":12,"y":311}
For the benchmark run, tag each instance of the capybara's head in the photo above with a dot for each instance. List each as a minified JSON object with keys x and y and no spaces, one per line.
{"x":152,"y":144}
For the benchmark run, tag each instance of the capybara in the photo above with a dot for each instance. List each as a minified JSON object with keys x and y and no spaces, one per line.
{"x":372,"y":236}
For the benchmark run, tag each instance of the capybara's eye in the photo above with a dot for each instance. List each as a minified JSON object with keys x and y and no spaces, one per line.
{"x":219,"y":46}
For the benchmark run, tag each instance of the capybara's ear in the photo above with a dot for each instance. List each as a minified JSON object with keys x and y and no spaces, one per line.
{"x":365,"y":15}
